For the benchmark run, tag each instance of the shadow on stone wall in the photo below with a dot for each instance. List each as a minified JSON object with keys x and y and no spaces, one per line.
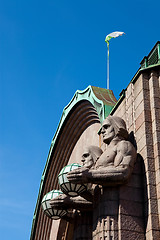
{"x":145,"y":191}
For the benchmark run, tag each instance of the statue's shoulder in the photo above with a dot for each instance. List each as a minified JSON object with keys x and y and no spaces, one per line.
{"x":125,"y":147}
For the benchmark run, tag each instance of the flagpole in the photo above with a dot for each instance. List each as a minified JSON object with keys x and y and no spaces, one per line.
{"x":108,"y":37}
{"x":108,"y":66}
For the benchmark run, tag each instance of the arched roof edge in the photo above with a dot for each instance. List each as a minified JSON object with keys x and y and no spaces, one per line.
{"x":80,"y":95}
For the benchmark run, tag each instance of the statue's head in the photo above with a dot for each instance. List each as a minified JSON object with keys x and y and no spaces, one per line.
{"x":112,"y":127}
{"x":90,"y":156}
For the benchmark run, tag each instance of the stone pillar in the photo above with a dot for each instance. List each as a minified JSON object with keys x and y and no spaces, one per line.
{"x":83,"y":226}
{"x":105,"y":214}
{"x":131,"y":206}
{"x":118,"y":211}
{"x":154,"y":86}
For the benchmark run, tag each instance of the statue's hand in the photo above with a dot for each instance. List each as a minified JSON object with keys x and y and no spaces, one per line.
{"x":61,"y":201}
{"x":79,"y":175}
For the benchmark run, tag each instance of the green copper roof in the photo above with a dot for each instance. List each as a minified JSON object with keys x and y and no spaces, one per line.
{"x":152,"y":58}
{"x":102,"y":99}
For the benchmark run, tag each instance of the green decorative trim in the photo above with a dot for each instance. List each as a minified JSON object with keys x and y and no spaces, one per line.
{"x":153,"y":57}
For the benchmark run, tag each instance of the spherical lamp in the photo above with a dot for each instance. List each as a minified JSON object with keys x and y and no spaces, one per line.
{"x":70,"y":189}
{"x":48,"y":210}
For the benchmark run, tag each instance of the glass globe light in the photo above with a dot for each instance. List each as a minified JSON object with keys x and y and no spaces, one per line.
{"x":48,"y":210}
{"x":70,"y":189}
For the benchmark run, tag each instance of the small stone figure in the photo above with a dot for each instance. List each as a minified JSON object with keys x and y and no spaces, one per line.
{"x":115,"y":164}
{"x":83,"y":202}
{"x":90,"y":156}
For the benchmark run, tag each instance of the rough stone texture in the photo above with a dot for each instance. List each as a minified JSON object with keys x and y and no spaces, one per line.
{"x":146,"y":100}
{"x":83,"y":226}
{"x":105,"y":214}
{"x":131,"y":235}
{"x":155,"y":113}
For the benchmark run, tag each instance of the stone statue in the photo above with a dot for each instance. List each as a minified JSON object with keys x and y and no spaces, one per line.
{"x":84,"y":202}
{"x":90,"y":156}
{"x":109,"y":168}
{"x":115,"y":164}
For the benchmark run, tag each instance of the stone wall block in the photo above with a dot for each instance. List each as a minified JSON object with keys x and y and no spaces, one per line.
{"x":149,"y":164}
{"x":152,"y":223}
{"x":139,"y":121}
{"x":130,"y":121}
{"x":129,"y":90}
{"x":156,"y":234}
{"x":138,"y":86}
{"x":149,"y":139}
{"x":131,"y":128}
{"x":158,"y":176}
{"x":156,"y":137}
{"x":154,"y":92}
{"x":151,"y":178}
{"x":140,"y":108}
{"x":130,"y":109}
{"x":153,"y":80}
{"x":138,"y":99}
{"x":150,"y":192}
{"x":110,"y":193}
{"x":140,"y":132}
{"x":157,"y":163}
{"x":153,"y":207}
{"x":156,"y":127}
{"x":152,"y":235}
{"x":121,"y":110}
{"x":131,"y":208}
{"x":148,"y":153}
{"x":159,"y":208}
{"x":155,"y":103}
{"x":121,"y":113}
{"x":136,"y":169}
{"x":141,"y":144}
{"x":158,"y":193}
{"x":145,"y":81}
{"x":130,"y":194}
{"x":154,"y":74}
{"x":156,"y":148}
{"x":155,"y":113}
{"x":144,"y":116}
{"x":131,"y":223}
{"x":109,"y":208}
{"x":131,"y":235}
{"x":135,"y":181}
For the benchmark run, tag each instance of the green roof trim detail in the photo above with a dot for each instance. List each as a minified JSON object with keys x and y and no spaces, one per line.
{"x":103,"y":100}
{"x":152,"y":58}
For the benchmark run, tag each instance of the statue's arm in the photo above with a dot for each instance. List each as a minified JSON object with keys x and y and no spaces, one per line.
{"x":122,"y":169}
{"x":111,"y":175}
{"x":65,"y":202}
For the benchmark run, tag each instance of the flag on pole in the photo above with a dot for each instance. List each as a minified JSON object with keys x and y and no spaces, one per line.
{"x":113,"y":35}
{"x":108,"y":37}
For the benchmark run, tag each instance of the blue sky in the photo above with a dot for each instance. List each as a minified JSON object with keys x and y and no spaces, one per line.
{"x":48,"y":50}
